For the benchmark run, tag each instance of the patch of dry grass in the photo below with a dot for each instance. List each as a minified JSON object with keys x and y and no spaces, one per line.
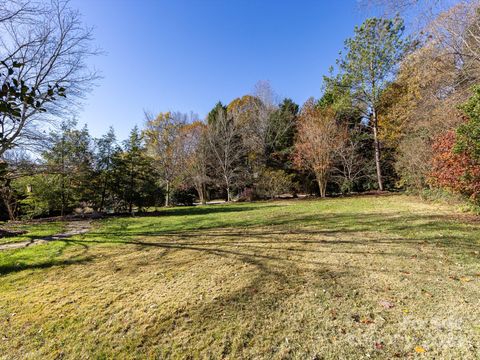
{"x":367,"y":277}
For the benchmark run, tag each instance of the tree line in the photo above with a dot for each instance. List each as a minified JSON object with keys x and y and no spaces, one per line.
{"x":398,"y":111}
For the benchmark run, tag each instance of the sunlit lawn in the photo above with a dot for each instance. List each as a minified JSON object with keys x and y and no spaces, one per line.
{"x":35,"y":230}
{"x":364,"y":277}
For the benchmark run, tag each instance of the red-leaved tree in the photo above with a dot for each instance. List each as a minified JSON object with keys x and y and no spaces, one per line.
{"x":455,"y":171}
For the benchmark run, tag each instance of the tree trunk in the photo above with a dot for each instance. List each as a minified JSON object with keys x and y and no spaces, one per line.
{"x":227,"y":186}
{"x":201,"y":193}
{"x":6,"y":192}
{"x":322,"y":185}
{"x":11,"y":212}
{"x":203,"y":199}
{"x":6,"y":195}
{"x":130,"y":202}
{"x":167,"y":194}
{"x":200,"y":187}
{"x":376,"y":143}
{"x":102,"y":200}
{"x":63,"y":175}
{"x":62,"y":211}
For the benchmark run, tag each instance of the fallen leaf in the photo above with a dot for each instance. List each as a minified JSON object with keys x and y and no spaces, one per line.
{"x":419,"y":349}
{"x":426,"y":293}
{"x":366,"y":320}
{"x":386,"y":304}
{"x":333,"y":312}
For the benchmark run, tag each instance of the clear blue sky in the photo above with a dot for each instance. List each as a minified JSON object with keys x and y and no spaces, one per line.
{"x":187,"y":55}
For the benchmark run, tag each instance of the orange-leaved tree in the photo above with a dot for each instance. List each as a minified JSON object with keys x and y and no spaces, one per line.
{"x":319,"y":136}
{"x":453,"y":170}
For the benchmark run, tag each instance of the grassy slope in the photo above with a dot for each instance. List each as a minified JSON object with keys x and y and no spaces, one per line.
{"x":299,"y":279}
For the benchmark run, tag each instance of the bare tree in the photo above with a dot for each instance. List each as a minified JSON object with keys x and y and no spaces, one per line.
{"x":269,"y":132}
{"x":267,"y":103}
{"x":11,"y":10}
{"x":457,"y":31}
{"x":192,"y":144}
{"x":452,"y":24}
{"x":350,"y":163}
{"x":43,"y":51}
{"x":225,"y":144}
{"x":419,"y":12}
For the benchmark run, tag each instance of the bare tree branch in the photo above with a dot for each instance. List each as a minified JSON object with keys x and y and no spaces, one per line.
{"x":52,"y":47}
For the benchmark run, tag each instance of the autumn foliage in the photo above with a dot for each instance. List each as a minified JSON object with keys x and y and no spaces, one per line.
{"x":455,"y":171}
{"x":318,"y":138}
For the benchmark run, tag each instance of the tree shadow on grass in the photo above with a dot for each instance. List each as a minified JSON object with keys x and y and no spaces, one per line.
{"x":198,"y":210}
{"x":253,"y":252}
{"x":252,"y":305}
{"x":41,"y":257}
{"x":21,"y":266}
{"x":440,"y":230}
{"x":342,"y":233}
{"x":276,"y":280}
{"x":373,"y":235}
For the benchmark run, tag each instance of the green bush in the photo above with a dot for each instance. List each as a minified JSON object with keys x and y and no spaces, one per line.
{"x":273,"y":183}
{"x":184,"y":196}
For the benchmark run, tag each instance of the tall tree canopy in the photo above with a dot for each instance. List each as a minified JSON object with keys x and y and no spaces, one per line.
{"x":370,"y":61}
{"x":161,"y":136}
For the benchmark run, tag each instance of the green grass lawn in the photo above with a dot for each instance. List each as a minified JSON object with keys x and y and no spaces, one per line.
{"x":362,"y":277}
{"x":35,"y":230}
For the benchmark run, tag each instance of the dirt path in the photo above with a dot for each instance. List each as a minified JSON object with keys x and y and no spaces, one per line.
{"x":72,"y":228}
